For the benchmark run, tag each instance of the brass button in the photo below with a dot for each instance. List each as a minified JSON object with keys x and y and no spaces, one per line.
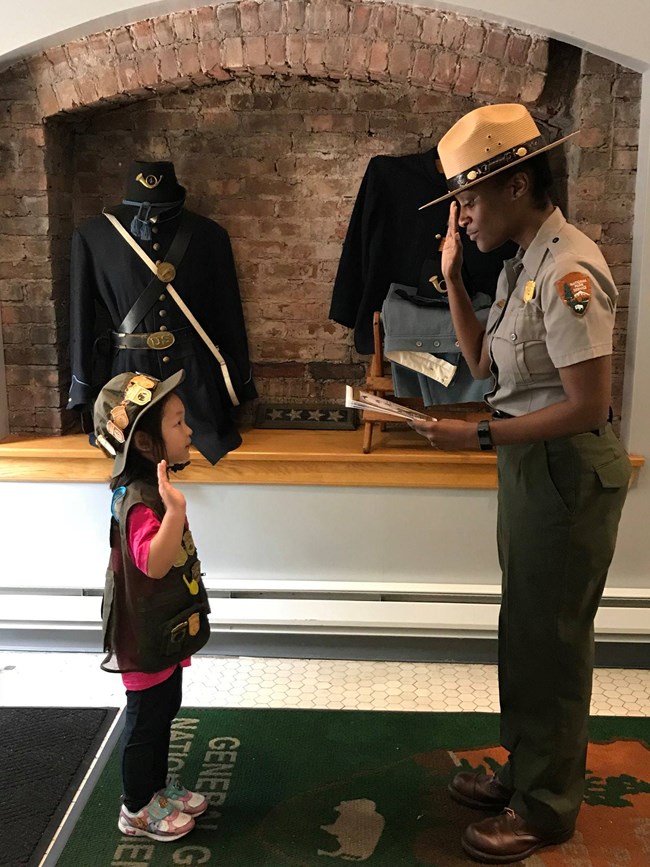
{"x":162,"y":313}
{"x":154,"y":229}
{"x":163,"y":328}
{"x":166,"y":358}
{"x":158,"y":261}
{"x":156,"y":246}
{"x":162,"y":297}
{"x":165,"y":271}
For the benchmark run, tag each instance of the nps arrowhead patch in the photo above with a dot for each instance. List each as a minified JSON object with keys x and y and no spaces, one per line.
{"x":575,"y":290}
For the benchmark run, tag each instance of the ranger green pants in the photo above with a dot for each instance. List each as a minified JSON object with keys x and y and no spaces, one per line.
{"x":559,"y":507}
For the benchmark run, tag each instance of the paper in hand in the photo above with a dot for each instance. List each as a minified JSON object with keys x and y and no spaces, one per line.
{"x":357,"y":399}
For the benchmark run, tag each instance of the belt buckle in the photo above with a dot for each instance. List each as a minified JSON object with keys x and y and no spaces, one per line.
{"x":160,"y":340}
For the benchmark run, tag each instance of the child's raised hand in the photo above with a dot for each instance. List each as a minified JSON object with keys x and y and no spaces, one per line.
{"x":172,"y":498}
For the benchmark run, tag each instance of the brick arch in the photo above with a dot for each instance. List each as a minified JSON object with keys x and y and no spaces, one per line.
{"x":334,"y":39}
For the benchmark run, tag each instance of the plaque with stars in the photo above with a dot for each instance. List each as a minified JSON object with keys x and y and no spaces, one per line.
{"x":296,"y":417}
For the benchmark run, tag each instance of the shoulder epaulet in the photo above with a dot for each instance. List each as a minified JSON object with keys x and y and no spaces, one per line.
{"x":558,"y":245}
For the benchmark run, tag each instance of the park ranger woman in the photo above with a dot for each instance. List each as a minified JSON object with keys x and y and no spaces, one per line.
{"x":563,"y":475}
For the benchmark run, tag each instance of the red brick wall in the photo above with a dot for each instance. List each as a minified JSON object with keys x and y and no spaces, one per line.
{"x":270,"y":112}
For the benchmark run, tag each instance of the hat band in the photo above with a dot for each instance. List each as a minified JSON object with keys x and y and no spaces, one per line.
{"x":482,"y":170}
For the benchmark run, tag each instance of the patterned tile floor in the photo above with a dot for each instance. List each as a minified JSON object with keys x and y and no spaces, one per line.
{"x":74,"y":679}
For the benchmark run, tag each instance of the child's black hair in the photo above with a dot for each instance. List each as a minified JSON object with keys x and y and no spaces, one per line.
{"x":137,"y":465}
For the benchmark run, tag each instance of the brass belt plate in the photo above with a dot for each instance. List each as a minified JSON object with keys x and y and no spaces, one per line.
{"x":160,"y":340}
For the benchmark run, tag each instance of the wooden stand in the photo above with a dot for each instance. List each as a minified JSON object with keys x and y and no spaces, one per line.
{"x":382,"y":385}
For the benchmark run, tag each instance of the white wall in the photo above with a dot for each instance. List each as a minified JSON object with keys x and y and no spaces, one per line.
{"x":348,"y":533}
{"x":248,"y":532}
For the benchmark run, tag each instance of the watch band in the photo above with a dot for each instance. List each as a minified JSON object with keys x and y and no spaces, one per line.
{"x":484,"y":436}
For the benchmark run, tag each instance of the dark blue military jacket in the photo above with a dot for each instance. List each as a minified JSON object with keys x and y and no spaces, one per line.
{"x":107,"y":277}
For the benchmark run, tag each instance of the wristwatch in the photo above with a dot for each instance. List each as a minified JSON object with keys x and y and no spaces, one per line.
{"x":485,"y":436}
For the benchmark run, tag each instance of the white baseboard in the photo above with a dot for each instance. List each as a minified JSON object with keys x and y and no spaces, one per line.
{"x":413,"y":610}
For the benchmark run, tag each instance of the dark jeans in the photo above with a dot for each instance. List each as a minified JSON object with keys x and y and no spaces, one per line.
{"x":145,"y":741}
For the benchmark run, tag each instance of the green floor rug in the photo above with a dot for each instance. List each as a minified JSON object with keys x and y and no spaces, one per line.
{"x":296,"y":788}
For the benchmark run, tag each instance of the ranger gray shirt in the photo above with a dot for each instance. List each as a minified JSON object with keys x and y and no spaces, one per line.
{"x":554,"y":307}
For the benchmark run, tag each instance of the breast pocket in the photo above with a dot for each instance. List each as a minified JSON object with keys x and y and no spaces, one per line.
{"x":529,"y":339}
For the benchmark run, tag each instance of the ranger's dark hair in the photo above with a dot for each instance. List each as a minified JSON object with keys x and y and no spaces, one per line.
{"x":137,"y":466}
{"x":539,"y":172}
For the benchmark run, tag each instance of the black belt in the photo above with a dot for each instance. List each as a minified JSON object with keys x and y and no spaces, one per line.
{"x":498,"y":413}
{"x":150,"y":340}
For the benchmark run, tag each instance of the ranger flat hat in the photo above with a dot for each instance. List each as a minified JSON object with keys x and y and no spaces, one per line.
{"x":487,"y":141}
{"x":119,"y":407}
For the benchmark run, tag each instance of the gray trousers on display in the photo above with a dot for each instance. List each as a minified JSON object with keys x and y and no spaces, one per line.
{"x":560,"y":502}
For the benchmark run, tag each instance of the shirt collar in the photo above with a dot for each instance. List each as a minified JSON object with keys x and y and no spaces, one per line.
{"x":550,"y":228}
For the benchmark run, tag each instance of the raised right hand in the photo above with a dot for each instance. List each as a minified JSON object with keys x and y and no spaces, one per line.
{"x":172,"y":498}
{"x":452,"y":251}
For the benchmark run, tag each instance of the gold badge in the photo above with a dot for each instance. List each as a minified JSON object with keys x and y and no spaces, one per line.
{"x":575,"y":291}
{"x":115,"y":431}
{"x":188,"y":542}
{"x":165,"y":272}
{"x":119,"y":416}
{"x":181,"y":558}
{"x":150,"y":182}
{"x":193,"y":623}
{"x":136,"y":394}
{"x":192,"y":586}
{"x":144,"y":381}
{"x":529,"y":291}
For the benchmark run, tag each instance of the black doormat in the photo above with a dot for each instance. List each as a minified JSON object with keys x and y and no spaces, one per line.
{"x":45,"y":754}
{"x":296,"y":417}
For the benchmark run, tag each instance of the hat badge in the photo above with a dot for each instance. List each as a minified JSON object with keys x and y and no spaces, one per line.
{"x":150,"y":181}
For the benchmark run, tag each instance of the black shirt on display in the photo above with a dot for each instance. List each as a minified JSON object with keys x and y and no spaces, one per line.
{"x":390,"y":241}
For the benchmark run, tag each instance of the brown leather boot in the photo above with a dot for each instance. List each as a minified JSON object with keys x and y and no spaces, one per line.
{"x":506,"y":839}
{"x":479,"y":791}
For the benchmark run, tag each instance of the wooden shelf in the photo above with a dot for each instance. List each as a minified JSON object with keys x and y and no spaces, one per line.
{"x":274,"y":457}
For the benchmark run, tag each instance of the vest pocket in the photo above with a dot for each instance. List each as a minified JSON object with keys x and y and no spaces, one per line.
{"x":186,"y":632}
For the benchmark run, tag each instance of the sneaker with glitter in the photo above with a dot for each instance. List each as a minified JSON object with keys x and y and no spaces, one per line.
{"x":160,"y":819}
{"x":192,"y":803}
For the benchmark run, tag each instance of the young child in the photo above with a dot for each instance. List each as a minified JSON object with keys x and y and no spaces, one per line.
{"x":155,"y":607}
